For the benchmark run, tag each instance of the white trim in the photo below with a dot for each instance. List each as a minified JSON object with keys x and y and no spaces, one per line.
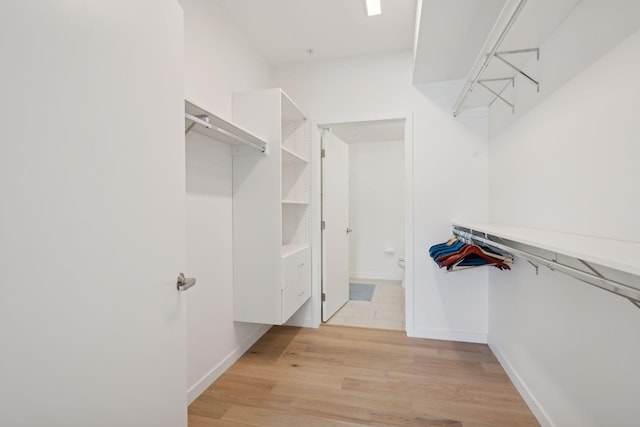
{"x":408,"y":226}
{"x":408,"y":191}
{"x":533,"y":404}
{"x":316,"y":233}
{"x":327,"y":121}
{"x":377,"y":276}
{"x":200,"y":386}
{"x":449,"y":335}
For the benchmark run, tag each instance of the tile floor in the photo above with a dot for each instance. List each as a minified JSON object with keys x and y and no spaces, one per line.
{"x":384,"y":311}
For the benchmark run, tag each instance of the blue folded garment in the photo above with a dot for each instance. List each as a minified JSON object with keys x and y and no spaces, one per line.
{"x":446,"y":250}
{"x":442,"y":246}
{"x":473,"y":259}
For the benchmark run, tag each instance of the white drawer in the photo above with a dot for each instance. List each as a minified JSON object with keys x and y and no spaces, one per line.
{"x":295,"y":265}
{"x":295,"y":295}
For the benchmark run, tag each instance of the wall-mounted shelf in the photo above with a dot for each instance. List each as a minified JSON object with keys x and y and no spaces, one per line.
{"x":479,"y":76}
{"x":288,"y":250}
{"x":203,"y":122}
{"x":618,"y":255}
{"x":289,"y":156}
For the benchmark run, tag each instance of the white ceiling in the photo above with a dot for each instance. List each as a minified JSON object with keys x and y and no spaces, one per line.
{"x":378,"y":131}
{"x":283,"y":30}
{"x":449,"y":39}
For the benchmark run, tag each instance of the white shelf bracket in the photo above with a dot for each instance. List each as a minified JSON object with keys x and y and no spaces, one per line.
{"x":500,"y":56}
{"x":498,"y":95}
{"x":202,"y":117}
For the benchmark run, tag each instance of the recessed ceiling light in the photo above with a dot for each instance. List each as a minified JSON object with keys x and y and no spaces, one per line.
{"x":373,"y":7}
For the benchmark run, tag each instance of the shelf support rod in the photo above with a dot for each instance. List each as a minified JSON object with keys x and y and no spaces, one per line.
{"x":208,"y":125}
{"x":188,"y":129}
{"x":489,"y":57}
{"x":498,"y":95}
{"x":590,"y":267}
{"x":511,"y":52}
{"x":531,"y":79}
{"x":617,"y":288}
{"x":202,"y":117}
{"x":498,"y":79}
{"x":503,"y":89}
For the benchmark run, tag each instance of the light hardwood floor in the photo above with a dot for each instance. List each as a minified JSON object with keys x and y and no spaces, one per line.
{"x":343,"y":376}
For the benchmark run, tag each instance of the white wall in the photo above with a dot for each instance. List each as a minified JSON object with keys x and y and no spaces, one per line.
{"x":357,"y":88}
{"x":376,"y":209}
{"x":218,"y":61}
{"x":570,"y":164}
{"x":446,"y":163}
{"x":450,"y":182}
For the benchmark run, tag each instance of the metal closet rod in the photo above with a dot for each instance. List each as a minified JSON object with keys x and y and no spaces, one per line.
{"x":208,"y":125}
{"x":490,"y":56}
{"x":632,"y":294}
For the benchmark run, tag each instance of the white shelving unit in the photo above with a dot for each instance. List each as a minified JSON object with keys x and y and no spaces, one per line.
{"x":612,"y":254}
{"x":271,"y":210}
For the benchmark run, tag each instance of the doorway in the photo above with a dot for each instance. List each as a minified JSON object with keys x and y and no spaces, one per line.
{"x":363,"y":185}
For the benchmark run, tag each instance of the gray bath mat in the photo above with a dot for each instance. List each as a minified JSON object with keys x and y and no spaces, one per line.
{"x":361,"y":291}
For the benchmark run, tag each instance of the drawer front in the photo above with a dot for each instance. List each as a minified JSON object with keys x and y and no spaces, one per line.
{"x":295,"y":266}
{"x":295,"y":295}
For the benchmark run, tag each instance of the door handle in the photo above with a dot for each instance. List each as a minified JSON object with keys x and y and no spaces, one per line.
{"x":349,"y":230}
{"x":185,"y":283}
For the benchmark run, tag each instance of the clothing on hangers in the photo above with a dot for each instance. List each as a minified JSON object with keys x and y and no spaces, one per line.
{"x":456,"y":254}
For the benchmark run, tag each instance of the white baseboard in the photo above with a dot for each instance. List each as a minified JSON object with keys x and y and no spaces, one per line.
{"x":464,"y":336}
{"x":377,"y":276}
{"x":302,"y":322}
{"x":199,"y":387}
{"x":529,"y":398}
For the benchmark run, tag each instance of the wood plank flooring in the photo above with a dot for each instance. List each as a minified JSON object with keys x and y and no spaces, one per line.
{"x":343,"y":376}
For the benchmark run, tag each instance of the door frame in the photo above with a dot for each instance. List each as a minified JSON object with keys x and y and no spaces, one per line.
{"x":327,"y":122}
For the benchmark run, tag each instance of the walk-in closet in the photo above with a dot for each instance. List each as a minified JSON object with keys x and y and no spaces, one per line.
{"x":319,"y":212}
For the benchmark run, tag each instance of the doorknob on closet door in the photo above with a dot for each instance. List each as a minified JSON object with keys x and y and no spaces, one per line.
{"x":185,"y":283}
{"x":349,"y":230}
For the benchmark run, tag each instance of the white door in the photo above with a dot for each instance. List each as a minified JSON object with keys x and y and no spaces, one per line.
{"x":335,"y":214}
{"x":92,"y":214}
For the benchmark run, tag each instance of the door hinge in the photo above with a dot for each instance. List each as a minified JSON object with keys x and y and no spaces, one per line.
{"x":323,"y":153}
{"x":323,"y":225}
{"x":324,"y":297}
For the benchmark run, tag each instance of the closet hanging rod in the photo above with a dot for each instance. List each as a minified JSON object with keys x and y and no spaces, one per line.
{"x":597,"y":280}
{"x":488,"y":57}
{"x":260,"y":146}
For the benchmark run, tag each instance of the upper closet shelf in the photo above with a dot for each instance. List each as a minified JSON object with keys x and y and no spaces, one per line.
{"x":509,"y":52}
{"x":479,"y":75}
{"x":618,"y":255}
{"x":203,"y":122}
